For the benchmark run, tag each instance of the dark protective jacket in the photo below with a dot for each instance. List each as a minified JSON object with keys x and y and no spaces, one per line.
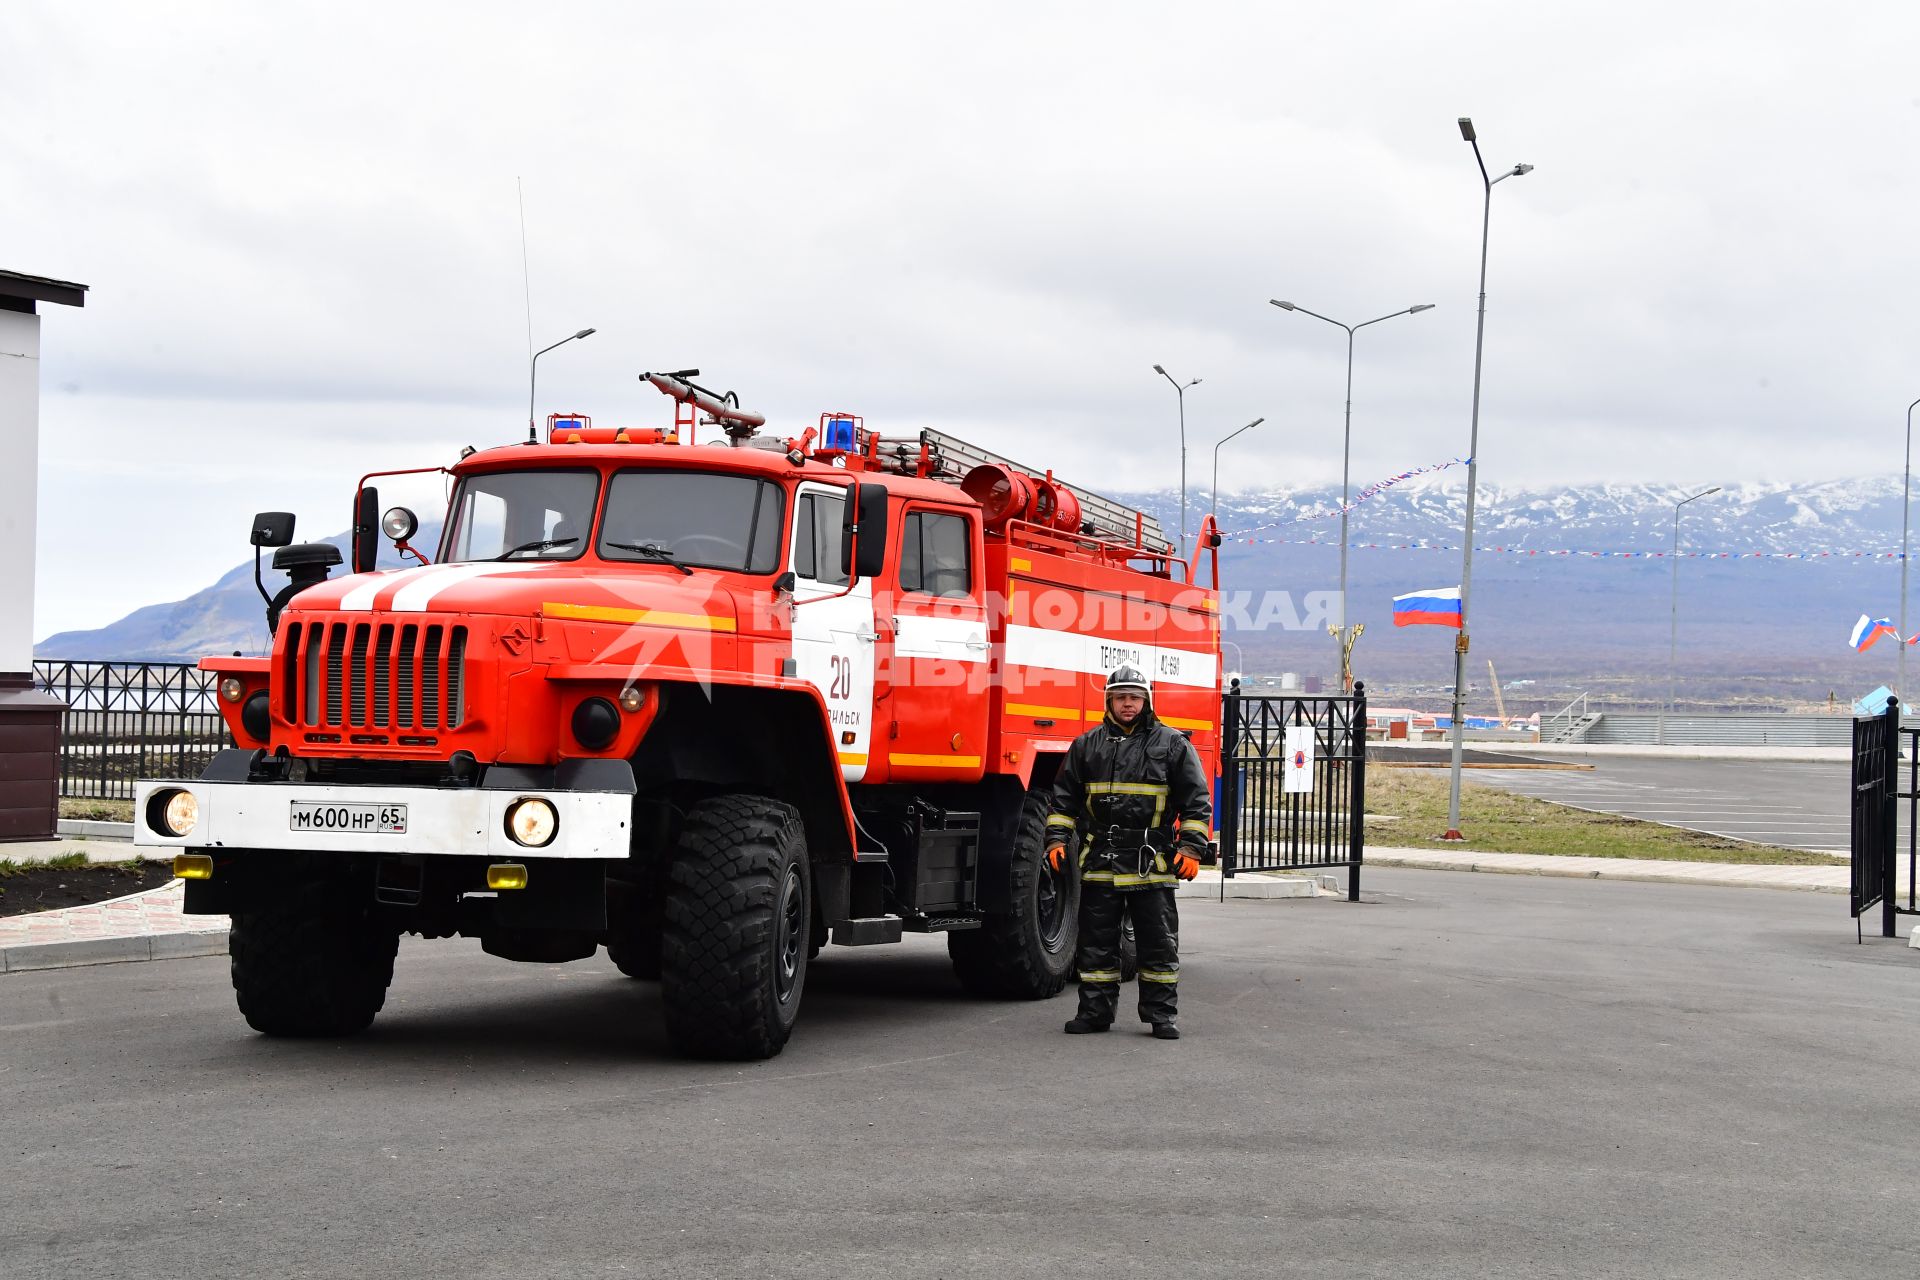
{"x":1143,"y":779}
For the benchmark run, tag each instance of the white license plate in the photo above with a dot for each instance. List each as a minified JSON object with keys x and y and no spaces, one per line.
{"x":349,"y":819}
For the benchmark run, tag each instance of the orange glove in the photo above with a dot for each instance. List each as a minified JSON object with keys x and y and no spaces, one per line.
{"x":1186,"y":866}
{"x":1057,"y":857}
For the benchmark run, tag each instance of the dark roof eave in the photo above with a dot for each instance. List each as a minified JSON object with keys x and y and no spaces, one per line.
{"x":15,"y":284}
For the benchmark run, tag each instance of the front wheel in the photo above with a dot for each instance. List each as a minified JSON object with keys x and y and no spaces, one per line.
{"x":735,"y":948}
{"x":312,"y":963}
{"x":1025,"y":953}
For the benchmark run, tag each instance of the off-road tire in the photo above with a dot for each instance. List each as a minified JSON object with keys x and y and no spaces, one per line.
{"x":1025,"y":953}
{"x":738,"y":909}
{"x":312,"y":964}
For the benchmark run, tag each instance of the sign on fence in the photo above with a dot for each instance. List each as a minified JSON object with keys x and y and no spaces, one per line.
{"x":1298,"y":778}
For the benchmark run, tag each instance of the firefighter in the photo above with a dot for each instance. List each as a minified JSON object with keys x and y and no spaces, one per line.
{"x":1134,"y":787}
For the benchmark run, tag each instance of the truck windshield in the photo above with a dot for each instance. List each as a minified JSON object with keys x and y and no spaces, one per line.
{"x":694,"y":518}
{"x":522,"y":515}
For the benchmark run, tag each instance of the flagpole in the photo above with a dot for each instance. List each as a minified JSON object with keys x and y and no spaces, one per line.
{"x":1906,"y":488}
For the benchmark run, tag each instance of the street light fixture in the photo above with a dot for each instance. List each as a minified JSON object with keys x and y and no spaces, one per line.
{"x":533,"y":373}
{"x":1673,"y":639}
{"x":1906,"y":489}
{"x":1473,"y":467}
{"x":1341,"y":639}
{"x":1181,"y":391}
{"x":1215,"y":489}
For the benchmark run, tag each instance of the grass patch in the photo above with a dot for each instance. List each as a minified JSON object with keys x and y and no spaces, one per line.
{"x":1498,"y":821}
{"x":61,"y":862}
{"x":94,"y":810}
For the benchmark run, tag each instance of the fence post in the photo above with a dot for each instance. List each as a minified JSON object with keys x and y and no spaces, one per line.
{"x":1357,"y":787}
{"x":1890,"y":820}
{"x":1228,"y":821}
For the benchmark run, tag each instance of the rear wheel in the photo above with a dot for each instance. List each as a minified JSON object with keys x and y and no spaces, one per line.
{"x":735,"y":947}
{"x":313,"y":963}
{"x":1025,"y":953}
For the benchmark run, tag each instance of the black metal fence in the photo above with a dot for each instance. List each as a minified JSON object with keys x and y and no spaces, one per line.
{"x":128,"y":720}
{"x":1877,"y":794}
{"x":1293,"y":783}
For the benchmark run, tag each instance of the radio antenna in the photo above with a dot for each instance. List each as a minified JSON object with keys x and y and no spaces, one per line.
{"x":526,"y":276}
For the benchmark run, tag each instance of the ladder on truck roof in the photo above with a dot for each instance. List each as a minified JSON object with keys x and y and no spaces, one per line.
{"x":949,"y":458}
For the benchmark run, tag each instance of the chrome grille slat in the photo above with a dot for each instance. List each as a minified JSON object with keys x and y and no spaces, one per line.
{"x":290,"y":675}
{"x":345,"y":673}
{"x":315,"y":641}
{"x":336,"y":661}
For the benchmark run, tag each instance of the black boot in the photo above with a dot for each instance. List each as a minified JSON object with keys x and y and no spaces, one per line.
{"x":1165,"y":1031}
{"x":1083,"y":1025}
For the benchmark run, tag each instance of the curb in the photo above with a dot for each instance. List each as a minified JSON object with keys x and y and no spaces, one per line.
{"x":1626,"y":872}
{"x":92,"y":829}
{"x":28,"y":957}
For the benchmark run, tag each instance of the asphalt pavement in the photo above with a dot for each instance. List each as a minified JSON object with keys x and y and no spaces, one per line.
{"x":1462,"y":1076}
{"x":1799,"y":804}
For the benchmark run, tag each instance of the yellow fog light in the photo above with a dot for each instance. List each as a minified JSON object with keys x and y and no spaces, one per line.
{"x":192,"y":866}
{"x":232,"y":688}
{"x":631,"y":699}
{"x":507,"y":875}
{"x":172,"y":812}
{"x":531,"y":822}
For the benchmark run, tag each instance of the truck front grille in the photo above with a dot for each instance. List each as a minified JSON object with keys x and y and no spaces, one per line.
{"x":374,"y":675}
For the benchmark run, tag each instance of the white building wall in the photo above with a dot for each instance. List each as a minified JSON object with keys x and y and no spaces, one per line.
{"x":19,"y":473}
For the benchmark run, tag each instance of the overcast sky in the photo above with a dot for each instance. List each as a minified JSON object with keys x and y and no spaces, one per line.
{"x":301,"y":229}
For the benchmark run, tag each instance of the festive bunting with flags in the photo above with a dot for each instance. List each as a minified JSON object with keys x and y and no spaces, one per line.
{"x":1439,"y":607}
{"x":1372,"y":490}
{"x":1867,"y":632}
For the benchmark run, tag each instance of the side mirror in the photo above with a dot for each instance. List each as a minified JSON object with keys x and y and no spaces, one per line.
{"x":273,"y":529}
{"x":366,"y":530}
{"x":785,"y":583}
{"x":863,"y":551}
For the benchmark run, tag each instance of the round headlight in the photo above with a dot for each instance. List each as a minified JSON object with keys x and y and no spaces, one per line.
{"x":596,"y":724}
{"x":399,"y":523}
{"x":232,"y":688}
{"x":173,"y":812}
{"x":532,"y":822}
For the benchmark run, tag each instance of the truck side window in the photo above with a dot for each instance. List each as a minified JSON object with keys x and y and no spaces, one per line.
{"x":816,"y":539}
{"x":936,"y":555}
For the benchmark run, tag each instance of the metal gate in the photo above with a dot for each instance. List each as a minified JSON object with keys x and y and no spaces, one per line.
{"x":1293,"y":801}
{"x":1876,"y":816}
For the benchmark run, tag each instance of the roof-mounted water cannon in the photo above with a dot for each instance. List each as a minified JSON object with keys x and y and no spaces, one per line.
{"x":690,"y":400}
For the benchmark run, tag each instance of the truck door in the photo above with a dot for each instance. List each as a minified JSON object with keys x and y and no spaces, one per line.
{"x":833,"y":633}
{"x":937,"y":704}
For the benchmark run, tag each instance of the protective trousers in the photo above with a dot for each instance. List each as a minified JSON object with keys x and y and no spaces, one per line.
{"x":1156,"y":934}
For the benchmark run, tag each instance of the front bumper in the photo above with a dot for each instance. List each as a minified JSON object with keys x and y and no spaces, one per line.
{"x":469,"y":820}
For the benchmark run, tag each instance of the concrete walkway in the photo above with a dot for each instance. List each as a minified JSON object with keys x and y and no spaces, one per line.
{"x":140,"y":926}
{"x":1833,"y":879}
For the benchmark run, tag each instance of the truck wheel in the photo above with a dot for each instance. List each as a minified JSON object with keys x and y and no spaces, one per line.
{"x":316,"y":966}
{"x":734,"y":954}
{"x":1027,"y":953}
{"x":1129,"y":948}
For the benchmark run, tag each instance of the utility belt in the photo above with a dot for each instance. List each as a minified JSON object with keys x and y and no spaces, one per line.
{"x":1131,"y":847}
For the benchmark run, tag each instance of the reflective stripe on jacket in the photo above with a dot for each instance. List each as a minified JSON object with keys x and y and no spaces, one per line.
{"x":1145,"y":776}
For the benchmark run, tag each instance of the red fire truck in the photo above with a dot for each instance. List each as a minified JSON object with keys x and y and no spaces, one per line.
{"x":707,"y":705}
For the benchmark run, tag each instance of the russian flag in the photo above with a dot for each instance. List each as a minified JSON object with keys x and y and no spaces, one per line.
{"x":1865,"y":632}
{"x":1439,"y":607}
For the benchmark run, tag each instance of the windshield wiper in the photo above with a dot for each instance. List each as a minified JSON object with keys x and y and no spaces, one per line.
{"x":538,"y":544}
{"x":653,"y":551}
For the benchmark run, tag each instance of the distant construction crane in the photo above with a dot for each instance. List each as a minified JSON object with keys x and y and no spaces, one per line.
{"x":1499,"y":702}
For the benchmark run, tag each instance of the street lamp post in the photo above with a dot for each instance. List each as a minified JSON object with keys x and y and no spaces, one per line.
{"x":1346,"y":458}
{"x":533,"y":373}
{"x":1473,"y":468}
{"x":1673,"y":638}
{"x":1214,"y":490}
{"x":1181,"y":391}
{"x":1906,"y":489}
